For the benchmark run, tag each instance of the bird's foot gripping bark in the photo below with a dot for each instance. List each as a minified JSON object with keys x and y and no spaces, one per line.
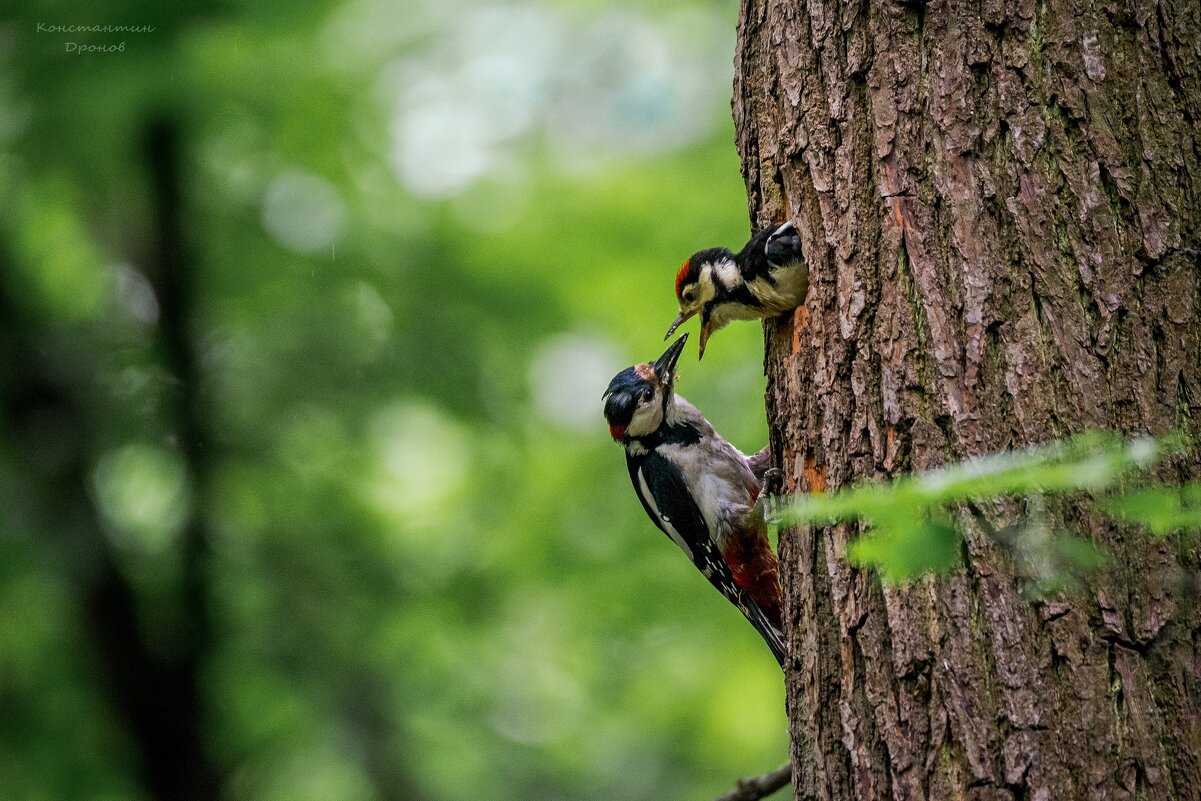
{"x":773,"y":482}
{"x":770,"y":496}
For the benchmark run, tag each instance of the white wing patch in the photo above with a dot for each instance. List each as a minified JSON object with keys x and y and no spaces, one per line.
{"x":727,"y":272}
{"x":667,"y":526}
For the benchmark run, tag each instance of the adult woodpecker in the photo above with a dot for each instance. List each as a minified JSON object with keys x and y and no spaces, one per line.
{"x":767,"y":277}
{"x":698,"y":489}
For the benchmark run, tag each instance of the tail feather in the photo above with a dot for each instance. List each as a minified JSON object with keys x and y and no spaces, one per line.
{"x":756,"y":572}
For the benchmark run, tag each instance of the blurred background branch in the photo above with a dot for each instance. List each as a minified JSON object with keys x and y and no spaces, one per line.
{"x":760,"y":786}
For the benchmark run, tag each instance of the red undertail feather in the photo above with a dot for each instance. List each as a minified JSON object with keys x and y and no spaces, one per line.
{"x":756,"y":571}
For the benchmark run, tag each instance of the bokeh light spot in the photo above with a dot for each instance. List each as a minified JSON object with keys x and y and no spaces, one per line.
{"x":303,"y":212}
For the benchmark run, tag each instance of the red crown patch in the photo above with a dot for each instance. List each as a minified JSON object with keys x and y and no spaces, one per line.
{"x":681,"y":275}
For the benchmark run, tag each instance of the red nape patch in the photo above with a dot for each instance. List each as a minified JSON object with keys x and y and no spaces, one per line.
{"x":681,"y":275}
{"x":617,"y":432}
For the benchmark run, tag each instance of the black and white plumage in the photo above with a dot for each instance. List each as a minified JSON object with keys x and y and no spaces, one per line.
{"x":698,"y":489}
{"x":766,"y":278}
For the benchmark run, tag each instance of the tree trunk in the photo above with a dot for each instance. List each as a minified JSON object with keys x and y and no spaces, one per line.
{"x":999,"y":206}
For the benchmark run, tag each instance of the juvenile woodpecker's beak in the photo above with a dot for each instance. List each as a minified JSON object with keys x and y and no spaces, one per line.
{"x":705,"y":331}
{"x":684,"y":315}
{"x":665,"y":365}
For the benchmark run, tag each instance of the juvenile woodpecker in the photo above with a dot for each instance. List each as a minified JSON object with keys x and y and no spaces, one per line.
{"x":767,"y":277}
{"x":698,"y":489}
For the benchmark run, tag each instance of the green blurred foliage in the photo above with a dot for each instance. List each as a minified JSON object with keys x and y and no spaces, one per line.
{"x":1162,"y":509}
{"x":902,"y":549}
{"x":427,"y":573}
{"x":912,"y":525}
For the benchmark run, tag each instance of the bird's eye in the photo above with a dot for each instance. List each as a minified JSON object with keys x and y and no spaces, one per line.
{"x":689,"y":293}
{"x":645,"y":395}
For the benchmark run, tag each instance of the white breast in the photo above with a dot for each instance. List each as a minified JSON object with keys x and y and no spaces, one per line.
{"x":718,"y":478}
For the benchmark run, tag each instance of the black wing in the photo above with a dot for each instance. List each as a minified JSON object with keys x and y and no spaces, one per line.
{"x":783,"y":245}
{"x":779,"y":244}
{"x":672,"y":508}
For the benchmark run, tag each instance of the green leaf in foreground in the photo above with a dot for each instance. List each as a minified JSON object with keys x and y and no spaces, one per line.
{"x":1162,"y":509}
{"x":1091,"y":461}
{"x":910,"y":532}
{"x":906,"y":550}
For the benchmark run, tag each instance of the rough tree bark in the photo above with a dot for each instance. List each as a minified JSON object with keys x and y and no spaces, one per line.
{"x":999,"y":204}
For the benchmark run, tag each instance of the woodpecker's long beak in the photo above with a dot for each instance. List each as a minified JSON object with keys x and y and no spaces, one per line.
{"x":665,"y":365}
{"x":684,"y":316}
